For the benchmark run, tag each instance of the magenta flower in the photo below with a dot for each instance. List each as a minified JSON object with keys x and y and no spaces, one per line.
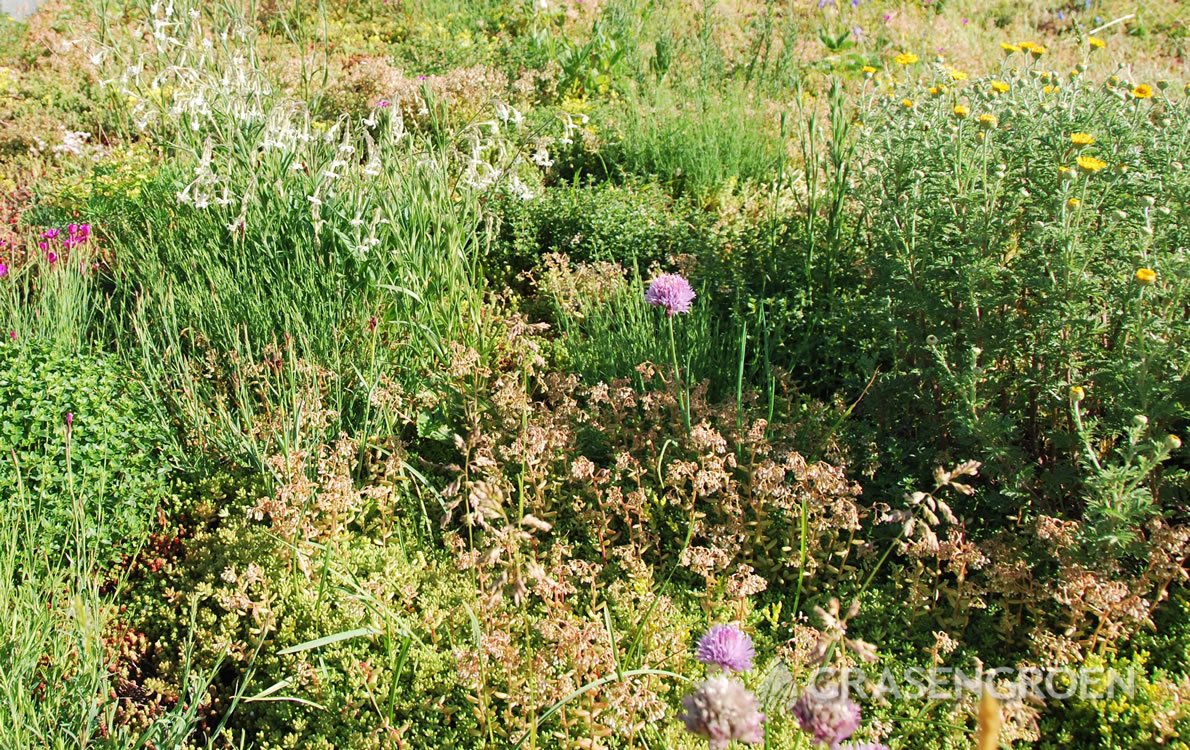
{"x":12,"y":335}
{"x":383,"y":104}
{"x":50,"y":234}
{"x":721,"y":710}
{"x":3,"y":270}
{"x":828,"y":720}
{"x":671,"y":291}
{"x":77,"y":235}
{"x":726,"y":647}
{"x":52,"y":257}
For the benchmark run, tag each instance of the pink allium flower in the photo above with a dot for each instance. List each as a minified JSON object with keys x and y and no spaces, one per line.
{"x":383,"y":104}
{"x":726,"y":647}
{"x":52,"y":257}
{"x":671,"y":291}
{"x":3,"y":270}
{"x":721,"y":710}
{"x":50,"y":234}
{"x":827,"y":720}
{"x":12,"y":335}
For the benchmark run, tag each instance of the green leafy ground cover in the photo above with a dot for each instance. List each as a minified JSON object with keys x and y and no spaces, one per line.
{"x":334,"y":413}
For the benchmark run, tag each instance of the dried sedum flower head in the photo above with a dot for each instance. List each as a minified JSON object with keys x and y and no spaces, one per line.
{"x":722,"y":710}
{"x":726,"y":647}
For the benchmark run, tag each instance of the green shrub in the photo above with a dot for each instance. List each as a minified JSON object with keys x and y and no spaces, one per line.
{"x":634,"y":225}
{"x":990,"y":272}
{"x":696,"y":142}
{"x":109,"y":458}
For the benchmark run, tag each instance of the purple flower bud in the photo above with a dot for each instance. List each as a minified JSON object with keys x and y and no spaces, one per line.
{"x":828,"y":720}
{"x":726,"y":647}
{"x":671,"y":291}
{"x":721,"y":710}
{"x":3,"y":270}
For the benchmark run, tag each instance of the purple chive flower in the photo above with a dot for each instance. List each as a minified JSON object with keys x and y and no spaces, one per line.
{"x":383,"y":104}
{"x":671,"y":291}
{"x":50,"y":234}
{"x":886,"y":17}
{"x":3,"y":270}
{"x":12,"y":335}
{"x":52,"y":257}
{"x":828,"y":720}
{"x":726,"y":647}
{"x":721,"y":710}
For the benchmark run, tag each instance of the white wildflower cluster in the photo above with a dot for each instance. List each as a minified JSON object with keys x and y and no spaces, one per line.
{"x":207,"y":188}
{"x":495,"y":157}
{"x":176,"y":69}
{"x":73,"y":143}
{"x":572,"y":127}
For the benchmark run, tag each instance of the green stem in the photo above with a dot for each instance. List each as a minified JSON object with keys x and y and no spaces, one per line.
{"x":683,"y":391}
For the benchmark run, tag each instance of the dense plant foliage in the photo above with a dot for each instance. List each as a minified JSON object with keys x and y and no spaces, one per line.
{"x":593,"y":374}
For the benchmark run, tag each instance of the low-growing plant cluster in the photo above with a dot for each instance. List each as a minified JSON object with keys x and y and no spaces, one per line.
{"x":593,"y":375}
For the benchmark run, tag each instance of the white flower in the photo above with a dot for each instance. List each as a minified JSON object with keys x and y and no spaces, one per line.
{"x":73,"y":142}
{"x":541,"y":157}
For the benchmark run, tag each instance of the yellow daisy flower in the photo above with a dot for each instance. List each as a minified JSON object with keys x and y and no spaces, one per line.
{"x":988,"y":122}
{"x":1077,"y":393}
{"x":938,"y":90}
{"x":905,"y":58}
{"x":869,"y":70}
{"x":1009,"y":48}
{"x":1051,"y":89}
{"x":1146,"y":276}
{"x":1033,"y":49}
{"x":1073,"y":203}
{"x":1000,"y":87}
{"x":1082,"y":139}
{"x":907,"y":103}
{"x":960,"y":111}
{"x":1090,"y":164}
{"x":958,"y":75}
{"x":1143,"y":91}
{"x":1096,"y":42}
